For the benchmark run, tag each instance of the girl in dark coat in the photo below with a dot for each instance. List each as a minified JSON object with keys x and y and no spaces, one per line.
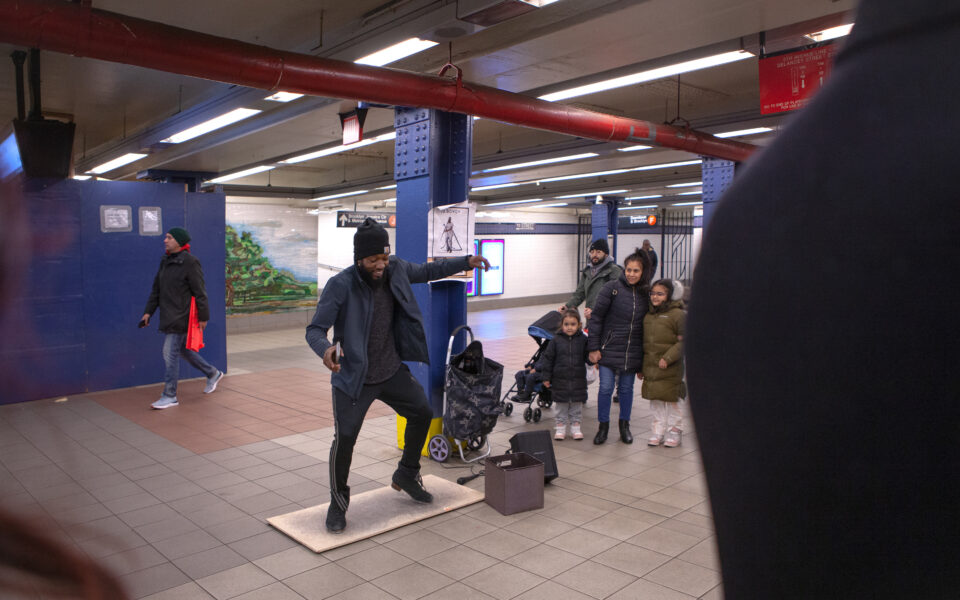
{"x":616,"y":341}
{"x":565,"y":373}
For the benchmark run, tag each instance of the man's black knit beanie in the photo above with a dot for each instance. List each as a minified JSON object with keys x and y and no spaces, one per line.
{"x":370,"y":239}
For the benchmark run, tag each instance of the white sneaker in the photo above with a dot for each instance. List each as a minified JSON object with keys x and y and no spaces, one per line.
{"x":673,"y":438}
{"x":165,"y":402}
{"x":575,"y":431}
{"x":653,"y":440}
{"x":212,"y":382}
{"x":561,"y":431}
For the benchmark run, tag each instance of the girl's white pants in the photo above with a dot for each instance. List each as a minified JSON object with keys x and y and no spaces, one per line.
{"x":666,"y":415}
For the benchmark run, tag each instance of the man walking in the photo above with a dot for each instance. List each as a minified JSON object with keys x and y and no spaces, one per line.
{"x":594,"y":276}
{"x":179,"y":279}
{"x":376,"y":325}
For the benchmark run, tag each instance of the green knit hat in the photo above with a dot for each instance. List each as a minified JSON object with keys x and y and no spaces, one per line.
{"x":180,"y":234}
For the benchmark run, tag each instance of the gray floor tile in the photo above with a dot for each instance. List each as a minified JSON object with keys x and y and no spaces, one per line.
{"x":413,"y":581}
{"x":501,"y":544}
{"x":503,"y":581}
{"x":550,"y":590}
{"x":238,"y":529}
{"x":594,"y":579}
{"x":153,"y":579}
{"x":323,"y":581}
{"x":290,"y":562}
{"x":187,"y":591}
{"x":685,"y":577}
{"x":186,"y":544}
{"x":263,"y":544}
{"x":648,"y":590}
{"x":664,"y":541}
{"x":235,"y":581}
{"x":420,"y":543}
{"x":274,"y":591}
{"x":546,"y":561}
{"x":462,"y":528}
{"x":459,"y":562}
{"x":457,"y":591}
{"x":582,"y":542}
{"x":135,"y":559}
{"x":374,"y":562}
{"x":209,"y":562}
{"x":633,"y":560}
{"x":540,"y":527}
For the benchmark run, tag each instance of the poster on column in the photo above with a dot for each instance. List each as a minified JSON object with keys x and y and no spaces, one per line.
{"x":450,"y":232}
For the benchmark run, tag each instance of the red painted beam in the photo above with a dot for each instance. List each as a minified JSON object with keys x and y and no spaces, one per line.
{"x":80,"y":30}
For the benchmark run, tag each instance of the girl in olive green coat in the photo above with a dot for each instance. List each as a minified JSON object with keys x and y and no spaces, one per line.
{"x":663,"y":328}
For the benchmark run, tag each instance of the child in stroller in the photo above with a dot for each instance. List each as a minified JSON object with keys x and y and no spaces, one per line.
{"x":527,"y":387}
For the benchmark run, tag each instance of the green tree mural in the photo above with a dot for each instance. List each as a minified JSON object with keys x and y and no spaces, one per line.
{"x":255,"y":285}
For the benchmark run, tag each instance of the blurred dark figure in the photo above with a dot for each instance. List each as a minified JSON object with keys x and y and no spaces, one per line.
{"x":822,"y":362}
{"x":34,"y":564}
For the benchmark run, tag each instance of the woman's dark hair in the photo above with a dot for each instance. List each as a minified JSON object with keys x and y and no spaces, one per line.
{"x":570,"y":312}
{"x":667,"y":283}
{"x":641,"y":257}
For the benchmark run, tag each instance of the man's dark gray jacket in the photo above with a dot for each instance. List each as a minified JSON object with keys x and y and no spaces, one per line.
{"x":346,"y":304}
{"x":178,"y":278}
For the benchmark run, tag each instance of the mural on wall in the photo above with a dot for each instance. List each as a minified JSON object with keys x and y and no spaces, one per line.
{"x":271,"y":258}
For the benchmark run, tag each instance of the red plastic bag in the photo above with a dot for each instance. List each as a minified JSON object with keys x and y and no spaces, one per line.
{"x":194,"y":333}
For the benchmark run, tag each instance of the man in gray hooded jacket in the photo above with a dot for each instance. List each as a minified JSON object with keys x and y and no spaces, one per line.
{"x":377,"y":323}
{"x":594,"y":276}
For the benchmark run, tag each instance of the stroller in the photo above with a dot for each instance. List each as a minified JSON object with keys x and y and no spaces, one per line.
{"x":470,"y":408}
{"x":542,"y":332}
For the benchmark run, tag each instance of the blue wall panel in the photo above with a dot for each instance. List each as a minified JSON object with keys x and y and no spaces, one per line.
{"x":75,"y":322}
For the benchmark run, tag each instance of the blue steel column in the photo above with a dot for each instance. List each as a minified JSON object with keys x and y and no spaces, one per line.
{"x":717,"y":177}
{"x":432,"y":168}
{"x":603,"y":221}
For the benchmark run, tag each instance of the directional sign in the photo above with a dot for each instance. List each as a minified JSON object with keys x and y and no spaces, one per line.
{"x":352,"y":218}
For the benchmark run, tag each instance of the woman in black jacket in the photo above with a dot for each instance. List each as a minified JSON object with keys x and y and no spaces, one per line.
{"x":616,"y":341}
{"x":565,"y":373}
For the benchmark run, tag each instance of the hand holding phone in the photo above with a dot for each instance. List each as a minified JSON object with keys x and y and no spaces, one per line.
{"x":337,"y":353}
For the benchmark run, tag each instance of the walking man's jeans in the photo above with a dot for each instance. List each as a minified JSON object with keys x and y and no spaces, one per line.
{"x":175,"y":346}
{"x":607,"y":379}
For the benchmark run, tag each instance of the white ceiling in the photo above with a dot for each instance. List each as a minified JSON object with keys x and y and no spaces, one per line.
{"x":120,"y":109}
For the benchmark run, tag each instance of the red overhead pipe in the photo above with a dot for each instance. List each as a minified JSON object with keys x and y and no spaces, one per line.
{"x":80,"y":30}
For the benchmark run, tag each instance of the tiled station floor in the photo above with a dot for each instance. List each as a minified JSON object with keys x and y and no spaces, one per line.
{"x":175,"y":501}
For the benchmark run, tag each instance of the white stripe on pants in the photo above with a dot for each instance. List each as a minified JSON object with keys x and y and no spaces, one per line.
{"x":665,"y":416}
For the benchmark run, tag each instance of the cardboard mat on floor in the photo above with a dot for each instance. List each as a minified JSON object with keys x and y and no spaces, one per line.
{"x":372,"y":513}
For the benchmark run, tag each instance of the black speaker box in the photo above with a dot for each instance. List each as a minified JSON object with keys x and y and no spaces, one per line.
{"x":539,"y":445}
{"x":46,"y":148}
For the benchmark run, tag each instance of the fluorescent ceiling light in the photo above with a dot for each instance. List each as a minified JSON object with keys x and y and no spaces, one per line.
{"x":343,"y":195}
{"x":341,"y":148}
{"x":742,"y":132}
{"x":498,"y":186}
{"x":390,"y":200}
{"x":634,"y":148}
{"x":687,"y":203}
{"x":388,"y":187}
{"x":637,"y":207}
{"x":545,"y":161}
{"x":582,"y":195}
{"x":116,"y":163}
{"x":584,"y":175}
{"x":831,"y":33}
{"x":514,"y":202}
{"x":682,"y":163}
{"x":689,"y":193}
{"x":644,"y":197}
{"x":240,"y":174}
{"x":650,"y":75}
{"x":688,"y":184}
{"x":81,"y":177}
{"x":395,"y":52}
{"x":549,"y":205}
{"x":207,"y":126}
{"x":283,"y":97}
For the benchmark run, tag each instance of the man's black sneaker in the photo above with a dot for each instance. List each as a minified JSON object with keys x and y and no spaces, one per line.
{"x":411,"y":483}
{"x":336,"y":518}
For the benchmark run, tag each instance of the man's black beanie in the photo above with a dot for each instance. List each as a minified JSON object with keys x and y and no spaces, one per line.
{"x":601,"y":245}
{"x":371,"y":238}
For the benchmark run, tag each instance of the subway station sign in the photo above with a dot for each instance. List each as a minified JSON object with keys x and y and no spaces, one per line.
{"x":353,"y":218}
